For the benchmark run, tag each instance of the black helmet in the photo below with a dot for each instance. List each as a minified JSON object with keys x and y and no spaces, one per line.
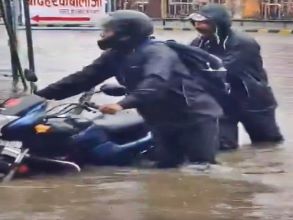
{"x":130,"y":29}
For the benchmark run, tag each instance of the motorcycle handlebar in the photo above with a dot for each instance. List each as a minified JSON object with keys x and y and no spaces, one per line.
{"x":92,"y":105}
{"x":88,"y":106}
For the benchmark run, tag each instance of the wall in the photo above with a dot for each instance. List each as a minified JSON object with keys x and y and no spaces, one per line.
{"x":153,"y":9}
{"x":251,"y":8}
{"x":245,"y":9}
{"x":150,"y":7}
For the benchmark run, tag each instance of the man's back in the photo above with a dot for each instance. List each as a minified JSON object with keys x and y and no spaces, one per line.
{"x":183,"y":95}
{"x":240,"y":53}
{"x":241,"y":56}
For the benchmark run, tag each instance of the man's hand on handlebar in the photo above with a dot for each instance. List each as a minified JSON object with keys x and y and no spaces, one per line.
{"x":110,"y":109}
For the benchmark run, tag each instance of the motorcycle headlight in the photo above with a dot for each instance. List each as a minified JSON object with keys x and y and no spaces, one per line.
{"x":4,"y":120}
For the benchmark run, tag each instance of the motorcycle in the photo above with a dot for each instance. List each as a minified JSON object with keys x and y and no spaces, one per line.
{"x":33,"y":139}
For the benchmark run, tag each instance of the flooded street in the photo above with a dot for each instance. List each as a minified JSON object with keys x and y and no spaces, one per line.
{"x":250,"y":184}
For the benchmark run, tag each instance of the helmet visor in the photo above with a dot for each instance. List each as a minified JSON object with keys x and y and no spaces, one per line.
{"x":196,"y":17}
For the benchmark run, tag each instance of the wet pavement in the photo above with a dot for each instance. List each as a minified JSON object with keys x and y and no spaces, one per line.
{"x":251,"y":184}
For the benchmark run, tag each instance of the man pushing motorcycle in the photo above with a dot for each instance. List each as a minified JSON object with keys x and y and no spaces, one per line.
{"x":181,"y":114}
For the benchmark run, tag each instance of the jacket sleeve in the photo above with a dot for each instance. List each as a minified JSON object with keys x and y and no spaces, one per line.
{"x":241,"y":54}
{"x":156,"y":70}
{"x":196,"y":42}
{"x":235,"y":58}
{"x":81,"y":81}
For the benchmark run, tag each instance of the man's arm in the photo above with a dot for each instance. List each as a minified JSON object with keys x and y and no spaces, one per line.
{"x":245,"y":59}
{"x":157,"y":70}
{"x":197,"y":42}
{"x":242,"y":54}
{"x":80,"y":81}
{"x":235,"y":58}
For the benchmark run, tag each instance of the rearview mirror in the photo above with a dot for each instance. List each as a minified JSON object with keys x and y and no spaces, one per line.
{"x":30,"y":76}
{"x":113,"y":90}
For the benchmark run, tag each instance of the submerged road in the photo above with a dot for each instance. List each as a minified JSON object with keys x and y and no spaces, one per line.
{"x":251,"y":183}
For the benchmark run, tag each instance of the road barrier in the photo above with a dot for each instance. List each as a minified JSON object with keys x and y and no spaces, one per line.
{"x":261,"y":30}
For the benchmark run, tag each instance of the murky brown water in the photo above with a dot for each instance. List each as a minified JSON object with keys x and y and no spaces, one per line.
{"x":252,"y":183}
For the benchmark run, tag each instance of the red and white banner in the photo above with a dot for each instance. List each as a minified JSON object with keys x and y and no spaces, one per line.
{"x":66,"y":11}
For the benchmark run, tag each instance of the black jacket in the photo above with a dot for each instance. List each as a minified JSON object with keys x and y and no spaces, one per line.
{"x":242,"y":58}
{"x":159,"y":84}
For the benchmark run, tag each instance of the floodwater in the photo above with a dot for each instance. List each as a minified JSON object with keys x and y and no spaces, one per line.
{"x":254,"y":183}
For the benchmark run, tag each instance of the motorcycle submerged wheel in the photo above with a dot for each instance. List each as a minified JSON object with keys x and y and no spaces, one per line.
{"x":9,"y":169}
{"x":4,"y":166}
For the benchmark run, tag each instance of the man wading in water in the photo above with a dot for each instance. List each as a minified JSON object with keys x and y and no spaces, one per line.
{"x":182,"y":116}
{"x":251,"y":101}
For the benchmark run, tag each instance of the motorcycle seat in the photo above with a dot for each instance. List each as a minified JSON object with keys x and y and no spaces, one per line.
{"x":125,"y":126}
{"x":20,"y":106}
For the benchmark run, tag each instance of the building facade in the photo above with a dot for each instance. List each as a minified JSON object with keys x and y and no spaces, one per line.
{"x":247,"y":9}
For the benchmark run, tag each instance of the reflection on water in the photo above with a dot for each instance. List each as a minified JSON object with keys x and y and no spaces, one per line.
{"x":252,"y":183}
{"x":111,"y":193}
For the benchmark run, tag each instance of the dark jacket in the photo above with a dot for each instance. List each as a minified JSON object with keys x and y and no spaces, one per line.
{"x":159,"y":84}
{"x":242,"y":58}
